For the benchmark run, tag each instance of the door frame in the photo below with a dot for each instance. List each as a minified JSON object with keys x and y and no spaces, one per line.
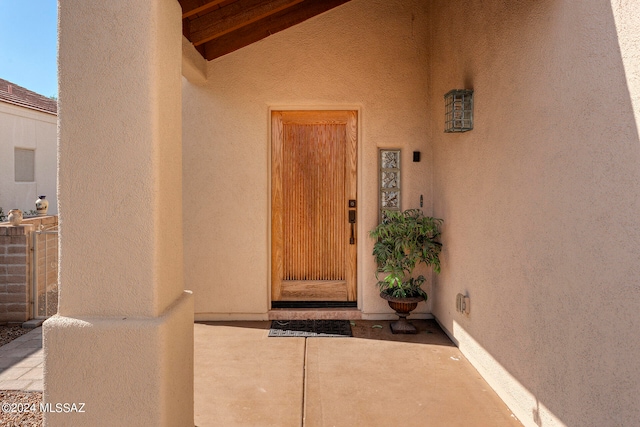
{"x":359,"y":212}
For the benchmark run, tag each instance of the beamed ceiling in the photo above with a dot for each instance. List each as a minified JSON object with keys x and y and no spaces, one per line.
{"x":218,"y":27}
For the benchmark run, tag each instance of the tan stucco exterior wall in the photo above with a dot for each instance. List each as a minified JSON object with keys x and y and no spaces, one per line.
{"x":22,"y":127}
{"x":366,"y":55}
{"x":124,"y":330}
{"x":541,"y":202}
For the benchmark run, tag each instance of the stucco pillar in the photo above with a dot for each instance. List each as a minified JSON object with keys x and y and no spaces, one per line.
{"x":122,"y":343}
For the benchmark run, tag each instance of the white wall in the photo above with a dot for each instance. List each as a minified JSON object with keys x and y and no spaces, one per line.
{"x":25,"y":128}
{"x":366,"y":54}
{"x":541,"y":202}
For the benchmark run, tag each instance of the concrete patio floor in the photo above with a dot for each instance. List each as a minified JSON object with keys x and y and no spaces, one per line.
{"x":245,"y":378}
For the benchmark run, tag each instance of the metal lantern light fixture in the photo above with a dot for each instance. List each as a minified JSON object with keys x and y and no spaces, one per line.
{"x":458,"y":110}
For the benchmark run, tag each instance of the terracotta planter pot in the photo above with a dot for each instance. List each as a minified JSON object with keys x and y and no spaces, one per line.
{"x":402,"y":307}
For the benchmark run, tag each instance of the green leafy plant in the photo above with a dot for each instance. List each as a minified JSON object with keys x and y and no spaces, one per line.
{"x":404,"y":240}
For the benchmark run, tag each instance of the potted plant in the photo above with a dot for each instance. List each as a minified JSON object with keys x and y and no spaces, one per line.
{"x":404,"y":240}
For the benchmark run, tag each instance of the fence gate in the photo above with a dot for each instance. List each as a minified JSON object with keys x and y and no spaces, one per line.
{"x":45,"y":272}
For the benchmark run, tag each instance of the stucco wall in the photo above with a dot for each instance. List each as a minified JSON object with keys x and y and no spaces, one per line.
{"x":25,"y":128}
{"x":541,"y":202}
{"x":131,"y":159}
{"x":124,"y":329}
{"x":366,"y":55}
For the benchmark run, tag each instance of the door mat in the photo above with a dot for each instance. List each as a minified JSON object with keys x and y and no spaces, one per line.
{"x":310,"y":328}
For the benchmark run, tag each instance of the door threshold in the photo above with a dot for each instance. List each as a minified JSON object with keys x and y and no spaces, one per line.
{"x":314,"y":304}
{"x":350,"y":313}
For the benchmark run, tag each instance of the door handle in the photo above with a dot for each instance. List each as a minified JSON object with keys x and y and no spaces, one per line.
{"x":352,"y":221}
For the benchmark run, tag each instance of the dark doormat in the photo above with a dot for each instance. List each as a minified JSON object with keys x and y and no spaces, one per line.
{"x":310,"y":328}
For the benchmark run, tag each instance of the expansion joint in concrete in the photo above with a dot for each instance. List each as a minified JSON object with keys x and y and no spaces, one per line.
{"x":304,"y":385}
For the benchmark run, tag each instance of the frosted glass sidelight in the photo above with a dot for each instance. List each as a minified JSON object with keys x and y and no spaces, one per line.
{"x":389,"y":181}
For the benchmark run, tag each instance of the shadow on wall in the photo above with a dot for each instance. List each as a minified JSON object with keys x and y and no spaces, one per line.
{"x":540,"y":200}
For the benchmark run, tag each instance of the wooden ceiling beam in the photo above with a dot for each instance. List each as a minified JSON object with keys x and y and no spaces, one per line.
{"x":236,"y":15}
{"x":265,"y":27}
{"x":193,"y":7}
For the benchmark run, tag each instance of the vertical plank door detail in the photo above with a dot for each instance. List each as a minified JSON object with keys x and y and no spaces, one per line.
{"x":313,"y":178}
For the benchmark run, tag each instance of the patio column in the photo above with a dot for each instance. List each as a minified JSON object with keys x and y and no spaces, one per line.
{"x":122,"y":342}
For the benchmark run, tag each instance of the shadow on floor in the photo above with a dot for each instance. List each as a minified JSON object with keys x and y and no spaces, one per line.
{"x":429,"y":332}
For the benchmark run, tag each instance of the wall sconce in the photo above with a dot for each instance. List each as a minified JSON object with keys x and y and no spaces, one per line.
{"x":458,"y":116}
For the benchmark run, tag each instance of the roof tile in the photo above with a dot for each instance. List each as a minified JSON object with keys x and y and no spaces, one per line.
{"x":17,"y":95}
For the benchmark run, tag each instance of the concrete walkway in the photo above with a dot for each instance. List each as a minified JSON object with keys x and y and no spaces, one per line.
{"x":244,"y":378}
{"x":21,"y":363}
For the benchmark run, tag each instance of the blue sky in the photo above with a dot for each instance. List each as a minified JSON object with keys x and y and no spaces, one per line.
{"x":28,"y":43}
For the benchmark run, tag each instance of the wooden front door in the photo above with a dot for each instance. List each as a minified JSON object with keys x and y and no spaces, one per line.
{"x":313,"y":199}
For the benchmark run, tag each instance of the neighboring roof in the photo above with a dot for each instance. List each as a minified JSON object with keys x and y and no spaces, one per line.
{"x":17,"y":95}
